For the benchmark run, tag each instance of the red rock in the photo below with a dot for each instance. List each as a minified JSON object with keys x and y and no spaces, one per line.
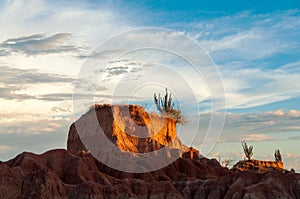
{"x":258,"y":166}
{"x":191,"y":153}
{"x":75,"y":173}
{"x":60,"y":174}
{"x":123,"y":125}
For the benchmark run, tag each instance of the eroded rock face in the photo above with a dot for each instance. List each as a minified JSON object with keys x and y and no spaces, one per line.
{"x":273,"y":184}
{"x":191,"y":153}
{"x":61,"y":174}
{"x":129,"y":127}
{"x":258,"y":166}
{"x":75,"y":173}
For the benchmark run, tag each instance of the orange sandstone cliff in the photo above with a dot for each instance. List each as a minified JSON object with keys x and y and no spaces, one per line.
{"x":130,"y":128}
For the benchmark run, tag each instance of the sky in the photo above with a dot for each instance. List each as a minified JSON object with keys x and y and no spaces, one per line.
{"x":252,"y":47}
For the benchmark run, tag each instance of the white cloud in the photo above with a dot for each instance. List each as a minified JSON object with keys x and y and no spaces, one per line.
{"x":244,"y":87}
{"x":254,"y":87}
{"x":258,"y":127}
{"x":294,"y":113}
{"x":5,"y":148}
{"x":94,"y":23}
{"x":282,"y":112}
{"x":279,"y":112}
{"x":250,"y":50}
{"x":248,"y":35}
{"x":290,"y":155}
{"x":292,"y":160}
{"x":39,"y":44}
{"x":81,"y":25}
{"x":256,"y":137}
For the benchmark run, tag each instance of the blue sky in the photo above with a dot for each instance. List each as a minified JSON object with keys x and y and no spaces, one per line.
{"x":214,"y":7}
{"x":254,"y":44}
{"x":230,"y":7}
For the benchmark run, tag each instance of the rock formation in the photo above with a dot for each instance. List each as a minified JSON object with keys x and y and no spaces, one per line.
{"x":258,"y":166}
{"x":76,"y":173}
{"x":61,"y":174}
{"x":127,"y":138}
{"x":129,"y":127}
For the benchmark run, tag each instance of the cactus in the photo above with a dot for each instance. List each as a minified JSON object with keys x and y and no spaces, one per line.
{"x":247,"y":150}
{"x":165,"y":106}
{"x":277,"y":155}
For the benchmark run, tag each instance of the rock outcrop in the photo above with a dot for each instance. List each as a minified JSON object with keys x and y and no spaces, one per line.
{"x":258,"y":166}
{"x":76,"y":173}
{"x":61,"y":174}
{"x":129,"y":127}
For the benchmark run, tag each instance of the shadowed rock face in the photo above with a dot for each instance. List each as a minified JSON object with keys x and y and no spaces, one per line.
{"x":75,"y":173}
{"x":61,"y":174}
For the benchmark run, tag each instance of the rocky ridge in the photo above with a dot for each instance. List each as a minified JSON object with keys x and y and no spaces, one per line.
{"x":61,"y":174}
{"x":75,"y":173}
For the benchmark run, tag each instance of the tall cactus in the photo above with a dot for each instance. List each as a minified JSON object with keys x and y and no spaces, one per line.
{"x":247,"y":150}
{"x":277,"y":155}
{"x":165,"y":105}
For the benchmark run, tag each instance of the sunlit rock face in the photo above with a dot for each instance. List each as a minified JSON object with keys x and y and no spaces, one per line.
{"x":258,"y":166}
{"x":129,"y":127}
